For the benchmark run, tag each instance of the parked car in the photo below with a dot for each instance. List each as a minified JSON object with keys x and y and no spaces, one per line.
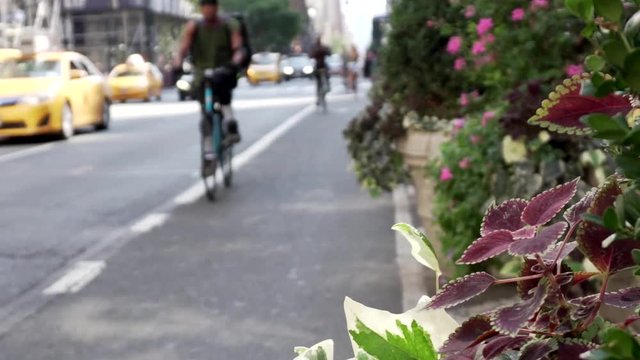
{"x":265,"y":66}
{"x":185,"y":87}
{"x":297,"y":66}
{"x":135,"y":81}
{"x":51,"y":93}
{"x":335,"y":64}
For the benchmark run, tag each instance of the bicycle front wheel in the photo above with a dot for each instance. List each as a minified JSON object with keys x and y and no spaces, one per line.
{"x":226,"y":167}
{"x":208,"y":171}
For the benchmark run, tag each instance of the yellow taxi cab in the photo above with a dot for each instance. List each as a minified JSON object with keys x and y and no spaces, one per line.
{"x":6,"y":53}
{"x":135,"y":80}
{"x":51,"y":93}
{"x":264,"y":66}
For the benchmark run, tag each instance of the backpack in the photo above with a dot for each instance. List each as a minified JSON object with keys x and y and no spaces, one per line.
{"x":243,"y":32}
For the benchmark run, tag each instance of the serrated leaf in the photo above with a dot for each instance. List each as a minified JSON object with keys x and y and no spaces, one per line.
{"x":546,"y":205}
{"x":499,"y":344}
{"x":581,"y":8}
{"x":590,"y":235}
{"x":437,"y":323}
{"x":538,"y":349}
{"x":609,"y":9}
{"x":570,"y":349}
{"x":376,"y":345}
{"x":574,"y":214}
{"x":552,"y":254}
{"x":541,"y":242}
{"x":506,"y":216}
{"x":319,"y":351}
{"x":468,"y":334}
{"x":421,"y":248}
{"x":486,"y":247}
{"x":509,"y":319}
{"x":562,"y":110}
{"x":461,"y":290}
{"x":625,"y":298}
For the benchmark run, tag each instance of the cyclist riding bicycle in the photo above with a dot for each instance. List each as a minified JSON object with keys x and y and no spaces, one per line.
{"x":215,"y":42}
{"x":319,"y":53}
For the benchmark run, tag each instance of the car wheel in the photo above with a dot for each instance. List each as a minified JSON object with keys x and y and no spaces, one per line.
{"x":106,"y":116}
{"x":66,"y":122}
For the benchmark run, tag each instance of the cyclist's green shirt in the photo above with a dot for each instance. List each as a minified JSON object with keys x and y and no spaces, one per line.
{"x":212,"y":46}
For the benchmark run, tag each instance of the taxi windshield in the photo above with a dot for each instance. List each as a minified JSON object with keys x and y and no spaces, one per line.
{"x":30,"y":68}
{"x":125,"y":73}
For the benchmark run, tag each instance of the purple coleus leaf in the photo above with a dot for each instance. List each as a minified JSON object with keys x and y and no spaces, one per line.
{"x":508,"y":320}
{"x":538,"y":349}
{"x":563,"y":109}
{"x":461,"y":290}
{"x":552,"y":253}
{"x":525,"y":286}
{"x":506,"y":216}
{"x":539,"y":243}
{"x":468,"y":335}
{"x":546,"y":205}
{"x":625,"y":298}
{"x":571,"y":349}
{"x":526,"y":232}
{"x":501,"y":343}
{"x":486,"y":247}
{"x":574,"y":214}
{"x":615,"y":257}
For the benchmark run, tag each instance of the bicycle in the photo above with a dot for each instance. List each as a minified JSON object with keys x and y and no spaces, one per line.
{"x":322,"y":88}
{"x":222,"y":153}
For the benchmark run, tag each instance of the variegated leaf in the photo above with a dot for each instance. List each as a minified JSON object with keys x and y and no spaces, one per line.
{"x":525,"y":287}
{"x":500,"y":343}
{"x":421,"y":248}
{"x":546,"y":205}
{"x":471,"y":332}
{"x":506,"y":216}
{"x":526,"y":232}
{"x":552,"y":254}
{"x":615,"y":257}
{"x":486,"y":247}
{"x":538,"y":349}
{"x":563,"y":109}
{"x":509,"y":319}
{"x":541,"y":242}
{"x":625,"y":298}
{"x":571,"y":349}
{"x":461,"y":290}
{"x":575,"y":212}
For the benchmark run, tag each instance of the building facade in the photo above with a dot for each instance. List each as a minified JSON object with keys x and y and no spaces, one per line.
{"x":327,"y":19}
{"x":107,"y":31}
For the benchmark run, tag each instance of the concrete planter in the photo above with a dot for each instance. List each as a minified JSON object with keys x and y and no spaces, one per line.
{"x":419,"y":148}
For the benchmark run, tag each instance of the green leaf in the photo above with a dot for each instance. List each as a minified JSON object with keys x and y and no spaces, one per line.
{"x":413,"y":344}
{"x":607,"y":127}
{"x":632,"y":26}
{"x":597,"y":79}
{"x":606,"y":88}
{"x":636,"y":231}
{"x":588,"y":30}
{"x":581,"y":8}
{"x":609,"y":9}
{"x":615,"y":51}
{"x":421,"y":248}
{"x":629,"y":164}
{"x":621,"y":343}
{"x":593,"y":218}
{"x":631,"y":70}
{"x":594,"y":62}
{"x":319,"y":351}
{"x":611,"y":219}
{"x":636,"y":255}
{"x":633,"y":138}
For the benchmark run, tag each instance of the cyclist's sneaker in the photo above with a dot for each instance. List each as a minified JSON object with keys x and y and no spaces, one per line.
{"x":233,"y":135}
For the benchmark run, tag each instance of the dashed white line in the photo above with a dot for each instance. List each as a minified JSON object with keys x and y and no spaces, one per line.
{"x":149,"y":222}
{"x":81,"y":274}
{"x":26,"y":152}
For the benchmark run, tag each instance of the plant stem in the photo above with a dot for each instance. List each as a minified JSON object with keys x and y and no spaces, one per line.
{"x":534,"y":332}
{"x":552,"y":279}
{"x":522,"y":278}
{"x":557,"y":260}
{"x":596,"y":309}
{"x":625,"y":41}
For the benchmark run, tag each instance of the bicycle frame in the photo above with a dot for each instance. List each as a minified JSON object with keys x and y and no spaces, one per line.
{"x":213,"y":109}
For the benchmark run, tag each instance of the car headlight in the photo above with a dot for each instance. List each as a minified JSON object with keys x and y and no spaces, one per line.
{"x":288,"y":70}
{"x":183,"y":85}
{"x":35,"y":99}
{"x":307,"y":69}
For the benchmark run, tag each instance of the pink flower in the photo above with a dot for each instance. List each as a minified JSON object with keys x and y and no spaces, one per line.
{"x":487,"y":116}
{"x":475,"y":94}
{"x":484,"y":26}
{"x":464,"y":163}
{"x":445,"y":174}
{"x":488,"y":38}
{"x":574,"y":69}
{"x":454,"y":45}
{"x":517,"y":14}
{"x":464,"y":99}
{"x":484,"y":60}
{"x":459,"y":64}
{"x":539,"y":4}
{"x":475,"y":139}
{"x":431,"y":24}
{"x":479,"y":47}
{"x":469,"y":11}
{"x":458,"y":124}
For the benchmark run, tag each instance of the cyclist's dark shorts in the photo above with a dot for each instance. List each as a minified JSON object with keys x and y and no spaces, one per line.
{"x":223,"y":85}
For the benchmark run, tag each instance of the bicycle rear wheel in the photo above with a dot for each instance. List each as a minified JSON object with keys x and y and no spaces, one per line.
{"x":227,"y":167}
{"x":208,"y":171}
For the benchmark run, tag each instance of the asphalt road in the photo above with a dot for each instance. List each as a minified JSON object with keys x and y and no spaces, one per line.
{"x":109,"y":251}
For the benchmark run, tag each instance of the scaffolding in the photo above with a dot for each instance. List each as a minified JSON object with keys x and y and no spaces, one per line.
{"x":30,"y":25}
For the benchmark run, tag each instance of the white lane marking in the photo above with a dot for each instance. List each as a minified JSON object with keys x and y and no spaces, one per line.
{"x":149,"y":222}
{"x":196,"y":191}
{"x":26,"y":152}
{"x":79,"y":276}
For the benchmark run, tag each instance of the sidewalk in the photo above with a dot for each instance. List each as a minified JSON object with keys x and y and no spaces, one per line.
{"x":263,"y":269}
